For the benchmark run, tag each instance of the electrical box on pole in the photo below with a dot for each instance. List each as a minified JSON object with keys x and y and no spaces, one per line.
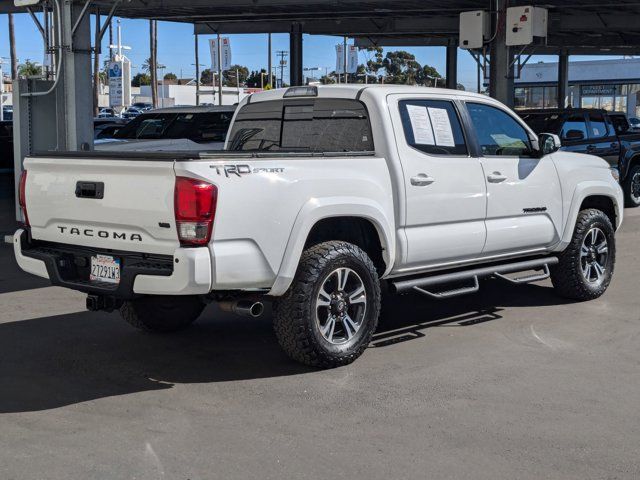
{"x":526,"y":24}
{"x":475,"y":29}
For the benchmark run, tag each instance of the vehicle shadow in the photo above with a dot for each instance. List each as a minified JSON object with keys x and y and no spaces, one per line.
{"x":55,"y":361}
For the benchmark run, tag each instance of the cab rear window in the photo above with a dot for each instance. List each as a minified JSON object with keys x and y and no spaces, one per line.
{"x":302,"y":125}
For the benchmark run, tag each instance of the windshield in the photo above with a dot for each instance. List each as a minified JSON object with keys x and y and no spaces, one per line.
{"x":197,"y":127}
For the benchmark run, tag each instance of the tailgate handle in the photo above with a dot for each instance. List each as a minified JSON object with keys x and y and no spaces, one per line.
{"x":90,"y":190}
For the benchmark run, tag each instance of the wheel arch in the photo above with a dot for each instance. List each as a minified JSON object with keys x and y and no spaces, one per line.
{"x":347,"y":219}
{"x":600,"y":195}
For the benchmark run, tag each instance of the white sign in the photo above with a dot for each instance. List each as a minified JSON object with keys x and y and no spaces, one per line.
{"x":116,"y":84}
{"x":442,"y":127}
{"x":421,"y":125}
{"x":352,"y":58}
{"x":120,"y":83}
{"x":225,"y":51}
{"x":340,"y":58}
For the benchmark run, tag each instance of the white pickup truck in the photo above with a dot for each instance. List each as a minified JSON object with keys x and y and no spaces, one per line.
{"x":322,"y":194}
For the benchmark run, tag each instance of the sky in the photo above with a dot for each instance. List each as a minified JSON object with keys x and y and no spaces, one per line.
{"x":176,"y":49}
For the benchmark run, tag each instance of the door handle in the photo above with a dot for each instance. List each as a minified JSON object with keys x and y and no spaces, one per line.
{"x":591,"y":148}
{"x":496,"y":177}
{"x":422,"y":180}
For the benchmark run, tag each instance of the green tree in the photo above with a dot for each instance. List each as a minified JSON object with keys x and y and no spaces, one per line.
{"x":329,"y":79}
{"x":229,"y":76}
{"x":401,"y":68}
{"x":375,"y":60}
{"x":171,"y":76}
{"x":364,"y":75}
{"x":141,"y":79}
{"x":430,"y":77}
{"x":257,"y":78}
{"x":29,"y":69}
{"x":206,"y":77}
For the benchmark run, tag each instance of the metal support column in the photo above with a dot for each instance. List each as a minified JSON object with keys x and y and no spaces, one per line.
{"x":452,"y":67}
{"x":563,"y":79}
{"x":295,"y":47}
{"x":76,"y":115}
{"x":502,"y":68}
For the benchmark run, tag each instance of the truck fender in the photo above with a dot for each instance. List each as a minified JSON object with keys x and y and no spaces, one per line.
{"x":316,"y":209}
{"x":581,"y":192}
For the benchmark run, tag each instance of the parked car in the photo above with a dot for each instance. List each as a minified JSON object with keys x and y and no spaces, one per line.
{"x":131,"y":112}
{"x":107,"y":113}
{"x":7,"y":113}
{"x":6,"y":146}
{"x":320,"y":196}
{"x":104,"y":128}
{"x":142,"y":106}
{"x":595,"y":132}
{"x":634,"y":122}
{"x":171,"y":129}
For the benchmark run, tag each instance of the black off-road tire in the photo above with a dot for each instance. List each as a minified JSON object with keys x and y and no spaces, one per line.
{"x":162,"y":314}
{"x":294,"y":313}
{"x":567,"y":276}
{"x":629,"y":199}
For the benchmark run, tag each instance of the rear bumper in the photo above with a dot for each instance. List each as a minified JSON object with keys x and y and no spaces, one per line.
{"x":187,"y":272}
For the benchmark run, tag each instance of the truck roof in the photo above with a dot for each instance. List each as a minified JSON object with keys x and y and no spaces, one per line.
{"x":198,"y":109}
{"x":354,"y":91}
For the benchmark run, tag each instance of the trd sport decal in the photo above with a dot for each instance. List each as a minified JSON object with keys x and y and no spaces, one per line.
{"x":239,"y":170}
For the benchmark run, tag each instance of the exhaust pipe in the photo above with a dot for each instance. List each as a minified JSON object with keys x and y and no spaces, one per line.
{"x":247,"y":308}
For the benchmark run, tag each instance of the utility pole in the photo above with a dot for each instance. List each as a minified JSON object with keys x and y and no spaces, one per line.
{"x":220,"y":69}
{"x":153,"y":61}
{"x":344,"y":54}
{"x":269,"y":68}
{"x":110,"y":40}
{"x":12,"y":48}
{"x":283,"y":62}
{"x":96,"y":67}
{"x":197,"y":55}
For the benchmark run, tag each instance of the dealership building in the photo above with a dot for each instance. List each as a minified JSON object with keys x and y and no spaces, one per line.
{"x":613,"y":85}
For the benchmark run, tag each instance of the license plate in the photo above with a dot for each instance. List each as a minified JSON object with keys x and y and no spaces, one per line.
{"x":105,"y":269}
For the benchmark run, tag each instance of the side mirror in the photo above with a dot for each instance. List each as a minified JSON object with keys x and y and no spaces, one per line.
{"x":549,"y":143}
{"x":575,"y":135}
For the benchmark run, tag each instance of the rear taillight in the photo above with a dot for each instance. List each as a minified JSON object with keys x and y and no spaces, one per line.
{"x":22,"y":197}
{"x":195,"y":210}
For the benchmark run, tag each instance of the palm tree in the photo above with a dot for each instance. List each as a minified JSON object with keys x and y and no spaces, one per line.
{"x":146,"y":65}
{"x":29,"y":69}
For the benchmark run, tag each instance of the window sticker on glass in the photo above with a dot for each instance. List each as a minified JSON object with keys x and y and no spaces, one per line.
{"x":421,"y":125}
{"x":442,"y":127}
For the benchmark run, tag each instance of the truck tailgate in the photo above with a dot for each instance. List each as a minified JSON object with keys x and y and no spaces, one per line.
{"x":134,"y":214}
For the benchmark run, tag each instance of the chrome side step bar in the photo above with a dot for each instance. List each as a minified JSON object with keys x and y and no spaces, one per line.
{"x":421,"y":284}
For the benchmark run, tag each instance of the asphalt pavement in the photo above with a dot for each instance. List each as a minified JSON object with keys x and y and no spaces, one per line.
{"x":511,"y":383}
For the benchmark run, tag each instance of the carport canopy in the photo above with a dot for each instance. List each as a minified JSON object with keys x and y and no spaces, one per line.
{"x":575,"y":27}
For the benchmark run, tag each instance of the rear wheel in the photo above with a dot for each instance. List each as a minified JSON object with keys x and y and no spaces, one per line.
{"x":328,"y":315}
{"x":162,"y":314}
{"x":632,"y":187}
{"x":586,"y":266}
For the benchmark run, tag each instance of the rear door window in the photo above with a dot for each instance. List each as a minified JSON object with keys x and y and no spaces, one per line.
{"x":598,"y":127}
{"x":302,"y":125}
{"x":433,"y":127}
{"x":574,"y":125}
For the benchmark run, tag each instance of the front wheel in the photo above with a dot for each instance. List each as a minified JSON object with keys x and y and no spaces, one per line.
{"x":328,"y":315}
{"x":162,"y":314}
{"x":586,"y":266}
{"x":631,"y":187}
